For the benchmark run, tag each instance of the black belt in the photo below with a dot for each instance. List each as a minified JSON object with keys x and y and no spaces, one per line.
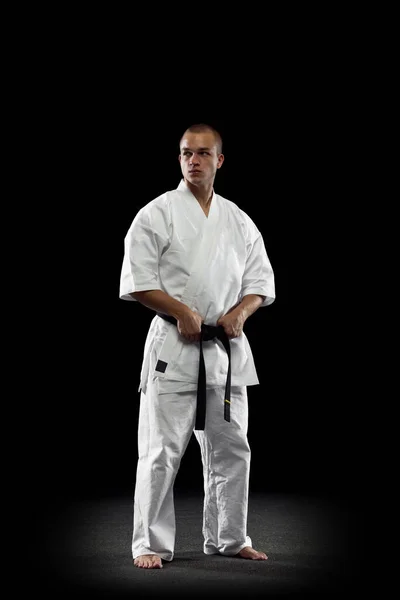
{"x":209,"y":332}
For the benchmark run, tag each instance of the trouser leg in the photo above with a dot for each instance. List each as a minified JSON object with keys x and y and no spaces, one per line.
{"x":225,"y":455}
{"x":166,"y":423}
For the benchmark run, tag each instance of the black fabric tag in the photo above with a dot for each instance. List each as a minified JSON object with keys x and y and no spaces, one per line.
{"x":161,"y":366}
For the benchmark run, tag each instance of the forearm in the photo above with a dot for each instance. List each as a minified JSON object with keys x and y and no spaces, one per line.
{"x":248,"y":305}
{"x":161,"y":302}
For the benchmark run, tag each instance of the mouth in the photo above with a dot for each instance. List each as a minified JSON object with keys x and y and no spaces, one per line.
{"x":194,"y":172}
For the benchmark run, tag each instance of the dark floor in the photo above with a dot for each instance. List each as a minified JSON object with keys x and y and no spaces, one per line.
{"x":310,"y":542}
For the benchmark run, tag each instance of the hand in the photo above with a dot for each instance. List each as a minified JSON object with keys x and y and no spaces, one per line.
{"x":189,"y":325}
{"x":232,"y":323}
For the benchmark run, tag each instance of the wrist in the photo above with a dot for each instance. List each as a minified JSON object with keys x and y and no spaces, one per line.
{"x":178,"y":310}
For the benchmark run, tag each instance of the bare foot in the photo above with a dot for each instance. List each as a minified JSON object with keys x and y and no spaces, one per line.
{"x":148,"y":561}
{"x":252,"y":554}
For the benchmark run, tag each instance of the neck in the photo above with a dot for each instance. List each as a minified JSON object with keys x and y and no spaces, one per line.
{"x":202,"y":193}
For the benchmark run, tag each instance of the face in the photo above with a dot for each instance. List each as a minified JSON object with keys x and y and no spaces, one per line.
{"x":199,"y":158}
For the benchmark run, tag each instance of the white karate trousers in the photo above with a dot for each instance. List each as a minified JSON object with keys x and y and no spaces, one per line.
{"x":166,"y":423}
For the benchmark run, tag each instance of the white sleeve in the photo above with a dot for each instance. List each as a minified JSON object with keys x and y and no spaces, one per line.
{"x":258,"y":276}
{"x":143,"y":245}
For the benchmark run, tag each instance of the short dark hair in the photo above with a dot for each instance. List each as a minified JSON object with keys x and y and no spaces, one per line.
{"x":200,"y":128}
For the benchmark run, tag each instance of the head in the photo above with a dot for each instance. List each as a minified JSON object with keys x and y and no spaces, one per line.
{"x":200,"y":154}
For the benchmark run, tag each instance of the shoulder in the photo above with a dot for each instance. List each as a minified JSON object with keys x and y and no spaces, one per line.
{"x":156,"y":214}
{"x":162,"y":202}
{"x":238,"y":213}
{"x":159,"y":203}
{"x":157,"y":208}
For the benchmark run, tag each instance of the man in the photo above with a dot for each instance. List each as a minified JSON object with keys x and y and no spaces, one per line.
{"x":200,"y":263}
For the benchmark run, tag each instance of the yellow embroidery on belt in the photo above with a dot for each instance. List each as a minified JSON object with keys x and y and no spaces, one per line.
{"x":228,"y":401}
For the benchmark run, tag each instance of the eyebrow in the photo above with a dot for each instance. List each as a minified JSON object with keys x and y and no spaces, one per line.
{"x":199,"y":150}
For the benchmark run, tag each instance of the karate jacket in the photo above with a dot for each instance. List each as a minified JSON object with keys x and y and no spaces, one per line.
{"x":209,"y":264}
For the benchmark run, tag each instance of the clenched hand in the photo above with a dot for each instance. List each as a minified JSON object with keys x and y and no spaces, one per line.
{"x":232,"y":323}
{"x":189,"y":325}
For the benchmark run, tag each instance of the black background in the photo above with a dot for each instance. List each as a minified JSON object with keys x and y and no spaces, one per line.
{"x":279,"y":168}
{"x":111,"y":136}
{"x":101,"y":104}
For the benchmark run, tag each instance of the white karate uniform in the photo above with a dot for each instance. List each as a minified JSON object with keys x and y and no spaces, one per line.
{"x":209,"y":264}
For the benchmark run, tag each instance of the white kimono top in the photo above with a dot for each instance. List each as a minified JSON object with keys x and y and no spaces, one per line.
{"x":209,"y":264}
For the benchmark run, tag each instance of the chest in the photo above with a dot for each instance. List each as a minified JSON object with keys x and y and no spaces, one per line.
{"x":219,"y":244}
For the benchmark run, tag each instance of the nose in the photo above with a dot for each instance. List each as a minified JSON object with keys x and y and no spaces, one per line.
{"x":194,"y":159}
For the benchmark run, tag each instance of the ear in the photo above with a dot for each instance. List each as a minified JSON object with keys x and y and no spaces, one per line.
{"x":221,"y":159}
{"x":179,"y":158}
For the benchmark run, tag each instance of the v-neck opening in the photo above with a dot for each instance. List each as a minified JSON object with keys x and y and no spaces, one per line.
{"x":184,"y":187}
{"x":207,"y":216}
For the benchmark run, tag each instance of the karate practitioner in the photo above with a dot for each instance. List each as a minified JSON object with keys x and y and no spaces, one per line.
{"x":197,"y":259}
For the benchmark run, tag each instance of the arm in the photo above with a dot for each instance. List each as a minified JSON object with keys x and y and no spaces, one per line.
{"x":188,"y":322}
{"x":258,"y":276}
{"x":234,"y":320}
